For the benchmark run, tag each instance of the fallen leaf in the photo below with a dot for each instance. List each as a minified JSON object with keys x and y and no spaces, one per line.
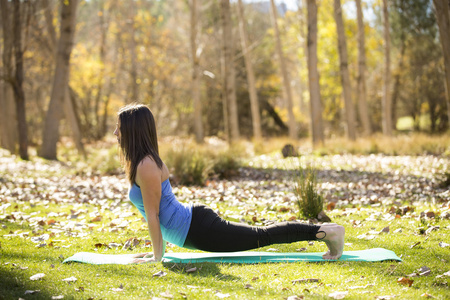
{"x":97,"y":219}
{"x":426,"y":295}
{"x":295,"y":297}
{"x":57,"y":297}
{"x":166,"y":295}
{"x":305,"y":280}
{"x":70,"y":279}
{"x":221,"y":296}
{"x":248,"y":286}
{"x":159,"y":274}
{"x":443,"y":275}
{"x":443,"y":245}
{"x":424,"y":271}
{"x":37,"y":276}
{"x":119,"y":289}
{"x":31,"y":292}
{"x":79,"y":289}
{"x":338,"y":295}
{"x":387,"y":297}
{"x":405,"y":281}
{"x":191,"y":270}
{"x":385,"y":229}
{"x":414,"y":245}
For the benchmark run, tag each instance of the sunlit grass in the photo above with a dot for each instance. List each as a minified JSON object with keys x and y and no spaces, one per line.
{"x":32,"y":195}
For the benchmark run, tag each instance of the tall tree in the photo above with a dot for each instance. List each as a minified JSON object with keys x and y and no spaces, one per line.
{"x":69,"y":106}
{"x":8,"y":128}
{"x":61,"y":78}
{"x":361,"y":91}
{"x":387,"y":100}
{"x":133,"y":92}
{"x":442,"y":11}
{"x":286,"y":81}
{"x":195,"y":59}
{"x":19,"y":94}
{"x":228,"y":71}
{"x":345,"y":76}
{"x":254,"y":104}
{"x":313,"y":75}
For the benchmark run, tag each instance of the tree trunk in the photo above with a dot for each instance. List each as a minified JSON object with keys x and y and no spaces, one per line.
{"x":396,"y":90}
{"x":286,"y":82}
{"x":134,"y":94}
{"x":387,"y":100}
{"x":8,"y":127}
{"x":18,"y":83}
{"x":60,"y":82}
{"x":229,"y":86}
{"x":195,"y":58}
{"x":345,"y":76}
{"x":254,"y":103}
{"x":442,"y":11}
{"x":101,"y":76}
{"x":301,"y":62}
{"x":361,"y":91}
{"x":49,"y":23}
{"x":73,"y":120}
{"x":313,"y":75}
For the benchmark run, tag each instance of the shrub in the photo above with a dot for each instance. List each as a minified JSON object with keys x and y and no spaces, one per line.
{"x":309,"y":201}
{"x":189,"y":166}
{"x":226,"y":164}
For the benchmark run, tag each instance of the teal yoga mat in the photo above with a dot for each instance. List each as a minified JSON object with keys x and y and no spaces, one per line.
{"x":249,"y":257}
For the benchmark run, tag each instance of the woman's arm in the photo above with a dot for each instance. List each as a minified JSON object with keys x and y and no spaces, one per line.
{"x":148,"y":177}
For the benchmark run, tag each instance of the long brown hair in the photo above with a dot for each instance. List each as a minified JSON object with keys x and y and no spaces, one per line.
{"x":138,"y":137}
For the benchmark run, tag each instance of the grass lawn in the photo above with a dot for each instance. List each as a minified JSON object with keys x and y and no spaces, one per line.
{"x":48,"y":213}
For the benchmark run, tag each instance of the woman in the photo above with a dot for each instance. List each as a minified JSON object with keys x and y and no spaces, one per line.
{"x":194,"y":227}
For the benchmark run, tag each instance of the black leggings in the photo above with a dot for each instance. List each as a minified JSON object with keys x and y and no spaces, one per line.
{"x":209,"y":232}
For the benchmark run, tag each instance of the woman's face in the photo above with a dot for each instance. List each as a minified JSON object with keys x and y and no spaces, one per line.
{"x":117,"y":131}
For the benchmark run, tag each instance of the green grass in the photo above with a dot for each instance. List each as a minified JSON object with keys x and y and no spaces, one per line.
{"x":43,"y":191}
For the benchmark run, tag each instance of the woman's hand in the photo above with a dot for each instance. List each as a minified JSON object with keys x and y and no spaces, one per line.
{"x":142,"y":255}
{"x":142,"y":258}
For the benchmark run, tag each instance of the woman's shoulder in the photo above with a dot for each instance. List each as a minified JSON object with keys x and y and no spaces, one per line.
{"x":147,"y":164}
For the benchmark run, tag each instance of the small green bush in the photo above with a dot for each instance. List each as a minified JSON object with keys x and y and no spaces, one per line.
{"x":309,"y":201}
{"x":226,"y":164}
{"x":189,"y":166}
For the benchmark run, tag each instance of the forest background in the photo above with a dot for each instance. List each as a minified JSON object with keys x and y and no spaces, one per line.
{"x":219,"y":68}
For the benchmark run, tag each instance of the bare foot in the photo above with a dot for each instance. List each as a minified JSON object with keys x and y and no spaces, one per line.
{"x":334,"y":239}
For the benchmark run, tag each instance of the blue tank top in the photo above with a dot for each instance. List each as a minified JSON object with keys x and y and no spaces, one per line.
{"x":174,"y":217}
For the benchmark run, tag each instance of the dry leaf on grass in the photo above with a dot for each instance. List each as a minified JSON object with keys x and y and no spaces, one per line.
{"x":221,"y":296}
{"x":37,"y":276}
{"x":443,"y":245}
{"x":295,"y":297}
{"x":248,"y":286}
{"x":166,"y":294}
{"x":338,"y":295}
{"x":414,"y":245}
{"x":70,"y":279}
{"x":305,"y":280}
{"x":57,"y":297}
{"x":119,"y":289}
{"x":405,"y":281}
{"x":31,"y":292}
{"x":191,"y":270}
{"x":159,"y":274}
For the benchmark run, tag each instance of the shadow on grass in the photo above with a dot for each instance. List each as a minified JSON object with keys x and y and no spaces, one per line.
{"x":203,"y":270}
{"x":13,"y":285}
